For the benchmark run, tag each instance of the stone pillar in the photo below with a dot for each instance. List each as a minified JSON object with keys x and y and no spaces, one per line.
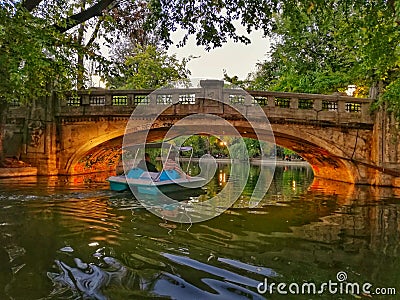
{"x":213,"y":89}
{"x":385,"y":149}
{"x":341,"y":105}
{"x":365,"y":111}
{"x":40,"y":137}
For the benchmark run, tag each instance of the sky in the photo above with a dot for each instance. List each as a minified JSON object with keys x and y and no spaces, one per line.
{"x":236,"y":58}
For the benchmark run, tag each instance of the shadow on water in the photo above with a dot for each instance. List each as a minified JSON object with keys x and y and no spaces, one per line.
{"x":74,"y":239}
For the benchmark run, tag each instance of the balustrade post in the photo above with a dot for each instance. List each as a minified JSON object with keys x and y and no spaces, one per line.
{"x":294,"y":103}
{"x":130,"y":99}
{"x":271,"y":101}
{"x":152,"y":99}
{"x":248,"y":100}
{"x":198,"y":95}
{"x":61,"y":101}
{"x":317,"y":105}
{"x":175,"y":98}
{"x":85,"y":99}
{"x":108,"y":99}
{"x":225,"y":98}
{"x":341,"y":106}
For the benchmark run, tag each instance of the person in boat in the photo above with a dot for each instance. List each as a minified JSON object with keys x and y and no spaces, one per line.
{"x":120,"y":168}
{"x":146,"y":164}
{"x":171,"y":164}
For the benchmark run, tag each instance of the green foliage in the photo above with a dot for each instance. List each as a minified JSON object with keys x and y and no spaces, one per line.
{"x":319,"y":46}
{"x":322,"y":47}
{"x":250,"y":148}
{"x":288,"y":152}
{"x":218,"y":147}
{"x":211,"y":21}
{"x":308,"y":53}
{"x":32,"y":55}
{"x":391,"y":98}
{"x":198,"y":142}
{"x":239,"y":151}
{"x":150,"y":68}
{"x":205,"y":145}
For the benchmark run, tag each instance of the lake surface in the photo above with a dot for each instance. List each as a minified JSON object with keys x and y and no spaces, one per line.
{"x":72,"y":238}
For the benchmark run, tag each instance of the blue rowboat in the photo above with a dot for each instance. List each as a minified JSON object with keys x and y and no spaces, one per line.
{"x":152,"y":183}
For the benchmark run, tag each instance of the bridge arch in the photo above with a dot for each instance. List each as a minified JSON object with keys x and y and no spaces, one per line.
{"x":318,"y":147}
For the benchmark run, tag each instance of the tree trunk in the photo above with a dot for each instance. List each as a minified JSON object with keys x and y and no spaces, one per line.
{"x":81,"y":34}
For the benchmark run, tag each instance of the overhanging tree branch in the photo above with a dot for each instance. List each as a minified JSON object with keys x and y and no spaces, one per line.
{"x":30,"y":5}
{"x":95,"y":10}
{"x":95,"y":32}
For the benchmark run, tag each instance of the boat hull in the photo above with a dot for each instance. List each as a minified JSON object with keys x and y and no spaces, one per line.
{"x":121,"y":183}
{"x":118,"y":186}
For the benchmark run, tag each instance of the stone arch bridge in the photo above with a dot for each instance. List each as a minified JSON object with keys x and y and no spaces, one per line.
{"x":83,"y":132}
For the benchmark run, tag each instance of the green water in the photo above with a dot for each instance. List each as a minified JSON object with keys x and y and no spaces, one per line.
{"x":72,"y":238}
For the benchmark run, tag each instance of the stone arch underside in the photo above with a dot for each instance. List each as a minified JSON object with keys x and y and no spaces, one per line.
{"x":327,"y":157}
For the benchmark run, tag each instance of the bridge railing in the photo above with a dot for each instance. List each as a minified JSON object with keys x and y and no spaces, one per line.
{"x":336,"y":108}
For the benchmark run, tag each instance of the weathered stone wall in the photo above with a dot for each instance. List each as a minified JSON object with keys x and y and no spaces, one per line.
{"x":386,"y":148}
{"x":15,"y":120}
{"x":30,"y":134}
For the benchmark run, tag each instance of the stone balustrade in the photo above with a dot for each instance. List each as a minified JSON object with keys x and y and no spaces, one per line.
{"x":278,"y":106}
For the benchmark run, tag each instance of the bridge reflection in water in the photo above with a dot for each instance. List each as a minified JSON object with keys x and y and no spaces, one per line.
{"x":81,"y":240}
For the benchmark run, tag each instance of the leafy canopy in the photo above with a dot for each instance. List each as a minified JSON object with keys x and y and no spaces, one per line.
{"x":320,"y":46}
{"x":324,"y":46}
{"x":32,"y":55}
{"x":149,"y":68}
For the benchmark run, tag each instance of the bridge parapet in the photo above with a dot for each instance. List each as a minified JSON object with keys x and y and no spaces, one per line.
{"x":336,"y":108}
{"x":333,"y":109}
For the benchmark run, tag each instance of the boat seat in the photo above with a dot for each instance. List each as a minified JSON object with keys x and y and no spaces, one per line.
{"x":149,"y":175}
{"x":168,"y":175}
{"x":134,"y":173}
